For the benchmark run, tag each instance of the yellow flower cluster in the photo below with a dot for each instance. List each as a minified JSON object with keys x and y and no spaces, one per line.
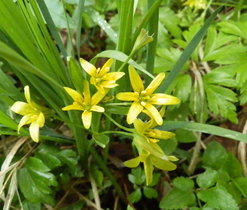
{"x":198,"y":4}
{"x":146,"y":136}
{"x":144,"y":100}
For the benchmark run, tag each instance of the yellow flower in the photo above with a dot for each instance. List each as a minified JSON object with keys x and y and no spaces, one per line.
{"x":100,"y":78}
{"x":32,"y":114}
{"x":85,"y":103}
{"x":150,"y":154}
{"x":198,"y":4}
{"x":151,"y":135}
{"x":145,"y":99}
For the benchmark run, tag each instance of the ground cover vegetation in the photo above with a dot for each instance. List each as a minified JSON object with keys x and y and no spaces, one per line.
{"x":123,"y":104}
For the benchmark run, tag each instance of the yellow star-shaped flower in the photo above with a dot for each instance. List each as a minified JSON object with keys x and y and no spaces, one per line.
{"x":151,"y":135}
{"x":33,"y":114}
{"x":145,"y":99}
{"x":85,"y":103}
{"x":101,"y":78}
{"x":198,"y":4}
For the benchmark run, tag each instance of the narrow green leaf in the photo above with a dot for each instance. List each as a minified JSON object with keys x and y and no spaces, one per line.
{"x":52,"y":26}
{"x":78,"y":17}
{"x":122,"y":57}
{"x":204,"y":128}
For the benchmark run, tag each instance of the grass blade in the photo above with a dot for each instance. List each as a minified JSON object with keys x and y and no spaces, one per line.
{"x":78,"y":17}
{"x":51,"y":26}
{"x":204,"y":128}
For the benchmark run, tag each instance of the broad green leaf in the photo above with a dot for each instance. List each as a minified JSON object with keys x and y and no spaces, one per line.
{"x":234,"y":28}
{"x":101,"y":139}
{"x":170,"y":21}
{"x":35,"y":181}
{"x":183,"y":184}
{"x":241,"y":184}
{"x":207,"y":178}
{"x":166,"y":59}
{"x":219,"y":198}
{"x":168,"y":146}
{"x":185,"y":136}
{"x":234,"y":191}
{"x":188,"y":52}
{"x":220,"y":101}
{"x":177,"y":199}
{"x":50,"y":160}
{"x":243,"y":96}
{"x":31,"y":206}
{"x":135,"y":196}
{"x":215,"y":42}
{"x":214,"y":156}
{"x":220,"y":77}
{"x":183,"y":87}
{"x":150,"y":192}
{"x":232,"y":166}
{"x":69,"y":157}
{"x":137,"y":176}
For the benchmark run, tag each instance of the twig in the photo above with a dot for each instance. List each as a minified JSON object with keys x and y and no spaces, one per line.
{"x":242,"y":151}
{"x":82,"y":197}
{"x":95,"y":192}
{"x":198,"y":144}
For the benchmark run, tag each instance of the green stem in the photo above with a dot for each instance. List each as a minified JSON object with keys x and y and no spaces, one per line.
{"x":117,"y":124}
{"x":127,"y":60}
{"x":117,"y":132}
{"x":153,"y":29}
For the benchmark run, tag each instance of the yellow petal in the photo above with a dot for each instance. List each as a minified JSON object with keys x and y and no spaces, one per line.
{"x":135,"y":80}
{"x":155,"y":83}
{"x":96,"y":108}
{"x":154,"y":113}
{"x":164,"y":99}
{"x":74,"y":106}
{"x":132,"y":163}
{"x":21,"y":108}
{"x":86,"y":119}
{"x":108,"y":84}
{"x":134,"y":111}
{"x":27,"y":93}
{"x":74,"y":95}
{"x":106,"y":67}
{"x":113,"y":76}
{"x":34,"y":131}
{"x":24,"y":121}
{"x":163,"y":164}
{"x":41,"y":120}
{"x":98,"y":96}
{"x":88,"y":67}
{"x":159,"y":134}
{"x":128,"y":96}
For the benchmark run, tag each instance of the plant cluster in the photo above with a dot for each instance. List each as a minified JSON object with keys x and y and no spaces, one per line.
{"x":129,"y":104}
